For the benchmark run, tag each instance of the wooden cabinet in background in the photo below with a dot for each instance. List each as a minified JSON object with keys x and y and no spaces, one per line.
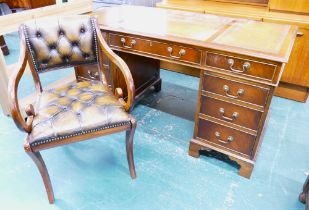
{"x":295,"y":78}
{"x":299,"y":61}
{"x":294,"y":83}
{"x":29,"y":4}
{"x":256,"y":2}
{"x":293,"y":6}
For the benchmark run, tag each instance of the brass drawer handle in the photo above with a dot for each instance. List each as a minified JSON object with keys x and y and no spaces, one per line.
{"x":181,"y":52}
{"x":228,"y":140}
{"x":226,"y":89}
{"x":235,"y":115}
{"x":93,"y":75}
{"x":123,"y":41}
{"x":245,"y":66}
{"x":299,"y":34}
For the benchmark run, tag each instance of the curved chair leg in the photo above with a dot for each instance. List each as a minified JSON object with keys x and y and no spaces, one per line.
{"x":39,"y":162}
{"x":129,"y":148}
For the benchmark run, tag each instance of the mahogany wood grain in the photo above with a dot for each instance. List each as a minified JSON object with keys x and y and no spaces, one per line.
{"x":245,"y":161}
{"x":158,"y":48}
{"x":256,"y":69}
{"x":142,"y":45}
{"x":296,"y":71}
{"x":18,"y":118}
{"x":129,"y":148}
{"x":252,"y":94}
{"x":230,"y":112}
{"x":87,"y":72}
{"x":241,"y":143}
{"x":189,"y":28}
{"x":105,"y":64}
{"x":39,"y":162}
{"x":265,"y":46}
{"x":121,"y":66}
{"x":190,"y":55}
{"x":145,"y":71}
{"x":180,"y":68}
{"x":246,"y":165}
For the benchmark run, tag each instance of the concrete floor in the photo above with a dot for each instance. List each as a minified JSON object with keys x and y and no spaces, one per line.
{"x":94,"y":174}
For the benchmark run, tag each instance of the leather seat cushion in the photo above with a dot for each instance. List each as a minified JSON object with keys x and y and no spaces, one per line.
{"x":75,"y":109}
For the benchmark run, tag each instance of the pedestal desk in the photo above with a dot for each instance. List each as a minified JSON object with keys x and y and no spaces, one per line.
{"x":294,"y":83}
{"x":241,"y":62}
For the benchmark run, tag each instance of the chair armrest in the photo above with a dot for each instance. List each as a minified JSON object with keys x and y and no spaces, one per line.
{"x":13,"y":92}
{"x":123,"y":67}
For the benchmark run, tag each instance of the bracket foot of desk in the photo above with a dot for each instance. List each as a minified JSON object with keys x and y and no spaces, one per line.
{"x":246,"y":166}
{"x":194,"y":149}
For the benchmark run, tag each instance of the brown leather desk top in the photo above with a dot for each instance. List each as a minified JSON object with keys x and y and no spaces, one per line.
{"x":242,"y":36}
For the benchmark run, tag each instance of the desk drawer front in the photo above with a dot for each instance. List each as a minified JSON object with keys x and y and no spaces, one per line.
{"x":129,"y":43}
{"x":230,"y":112}
{"x":87,"y":72}
{"x":184,"y":54}
{"x":226,"y":137}
{"x":242,"y":66}
{"x":235,"y":90}
{"x":177,"y":52}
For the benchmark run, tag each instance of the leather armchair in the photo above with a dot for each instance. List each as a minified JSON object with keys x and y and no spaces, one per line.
{"x":75,"y":111}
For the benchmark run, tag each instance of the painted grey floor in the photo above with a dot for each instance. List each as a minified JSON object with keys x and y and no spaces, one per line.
{"x":94,"y":175}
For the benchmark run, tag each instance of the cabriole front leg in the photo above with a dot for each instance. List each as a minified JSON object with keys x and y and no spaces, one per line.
{"x":39,"y":162}
{"x":129,"y":148}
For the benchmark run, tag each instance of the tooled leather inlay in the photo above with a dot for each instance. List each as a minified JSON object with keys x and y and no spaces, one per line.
{"x":61,"y":42}
{"x":75,"y":109}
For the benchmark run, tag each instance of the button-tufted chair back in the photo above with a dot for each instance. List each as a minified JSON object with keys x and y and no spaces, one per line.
{"x":62,"y":43}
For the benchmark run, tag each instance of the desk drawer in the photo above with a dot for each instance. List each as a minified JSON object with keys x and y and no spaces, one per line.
{"x":242,"y":66}
{"x":230,"y":112}
{"x":87,"y":72}
{"x":130,"y":43}
{"x":235,"y":90}
{"x":226,"y":137}
{"x":184,"y":54}
{"x":177,"y":52}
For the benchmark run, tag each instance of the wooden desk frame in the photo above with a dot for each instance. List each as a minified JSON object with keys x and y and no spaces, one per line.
{"x":144,"y":51}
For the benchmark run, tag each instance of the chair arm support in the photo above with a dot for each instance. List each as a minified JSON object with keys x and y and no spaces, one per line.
{"x":13,"y":93}
{"x":123,"y":67}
